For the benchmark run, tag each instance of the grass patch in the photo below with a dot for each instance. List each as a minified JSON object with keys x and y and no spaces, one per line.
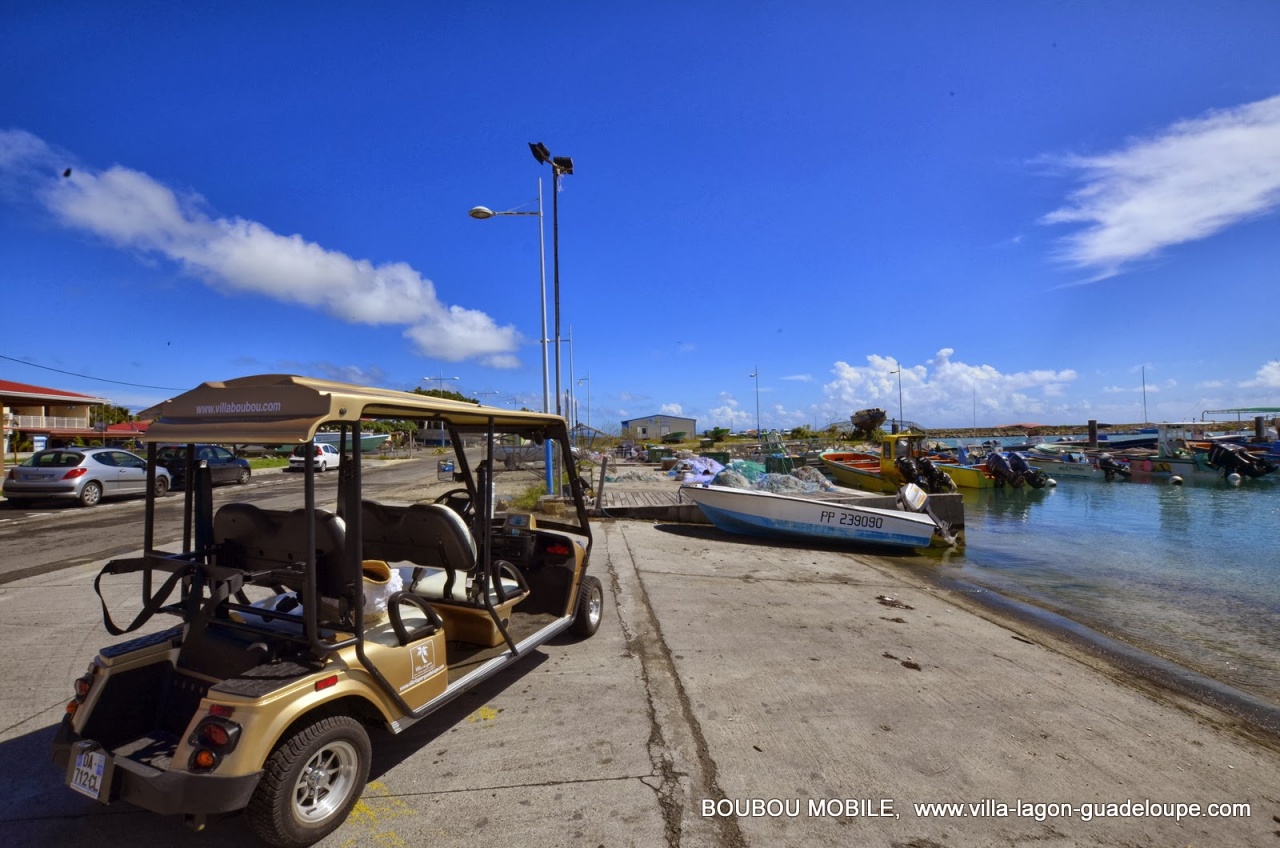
{"x":268,"y":462}
{"x":528,"y":499}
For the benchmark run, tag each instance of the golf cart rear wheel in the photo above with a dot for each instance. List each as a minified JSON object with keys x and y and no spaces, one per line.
{"x":310,"y":782}
{"x":590,"y":608}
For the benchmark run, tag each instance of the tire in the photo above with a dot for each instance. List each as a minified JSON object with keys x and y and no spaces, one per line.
{"x":91,"y":493}
{"x":590,"y":608}
{"x":310,"y":782}
{"x":162,"y":486}
{"x":243,"y":477}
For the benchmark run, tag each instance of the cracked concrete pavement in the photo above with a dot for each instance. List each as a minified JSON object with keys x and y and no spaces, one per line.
{"x":726,"y":672}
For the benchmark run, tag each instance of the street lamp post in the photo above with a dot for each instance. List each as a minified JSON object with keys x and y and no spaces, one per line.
{"x":442,"y":382}
{"x":587,"y":380}
{"x":560,"y":165}
{"x":482,"y":213}
{"x":756,"y":375}
{"x":899,"y":373}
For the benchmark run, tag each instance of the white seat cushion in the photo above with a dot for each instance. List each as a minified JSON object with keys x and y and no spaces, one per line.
{"x":431,"y":585}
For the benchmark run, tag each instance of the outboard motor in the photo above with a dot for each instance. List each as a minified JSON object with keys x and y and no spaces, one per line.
{"x":939,"y":481}
{"x":1034,"y":476}
{"x":1002,"y":471}
{"x":1112,"y":469}
{"x":909,"y":470}
{"x":1236,"y":458}
{"x":911,"y":498}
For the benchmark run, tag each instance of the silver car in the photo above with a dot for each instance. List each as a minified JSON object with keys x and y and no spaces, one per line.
{"x":86,"y":474}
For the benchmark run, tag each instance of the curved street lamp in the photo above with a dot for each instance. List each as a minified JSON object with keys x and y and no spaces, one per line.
{"x":899,"y":373}
{"x":483,"y":213}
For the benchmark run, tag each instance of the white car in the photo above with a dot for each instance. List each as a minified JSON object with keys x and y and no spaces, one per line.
{"x":327,"y":457}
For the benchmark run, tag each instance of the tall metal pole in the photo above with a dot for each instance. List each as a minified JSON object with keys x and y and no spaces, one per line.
{"x":542,"y":270}
{"x":483,"y":213}
{"x":756,"y":375}
{"x":442,"y":381}
{"x":1145,"y":419}
{"x":548,"y":454}
{"x":555,"y":263}
{"x":900,"y":418}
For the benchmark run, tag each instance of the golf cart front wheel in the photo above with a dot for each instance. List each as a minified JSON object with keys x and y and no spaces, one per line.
{"x":590,"y":607}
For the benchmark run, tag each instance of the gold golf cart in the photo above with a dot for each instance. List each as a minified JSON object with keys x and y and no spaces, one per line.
{"x":300,"y":626}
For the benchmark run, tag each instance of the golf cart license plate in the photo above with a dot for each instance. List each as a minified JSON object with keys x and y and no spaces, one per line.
{"x":88,"y":772}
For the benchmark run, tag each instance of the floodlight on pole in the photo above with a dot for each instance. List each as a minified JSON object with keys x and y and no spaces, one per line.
{"x":560,"y":165}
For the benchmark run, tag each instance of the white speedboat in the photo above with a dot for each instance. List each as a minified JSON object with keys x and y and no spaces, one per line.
{"x":757,"y":513}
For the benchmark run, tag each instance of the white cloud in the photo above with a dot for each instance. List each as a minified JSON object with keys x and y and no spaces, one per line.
{"x":942,"y":390}
{"x":135,"y":212}
{"x":800,"y":378}
{"x":1267,"y":377}
{"x":1187,"y":182}
{"x":671,"y":409}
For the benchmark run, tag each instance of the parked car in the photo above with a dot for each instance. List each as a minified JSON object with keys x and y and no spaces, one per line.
{"x":327,"y":456}
{"x":86,"y":474}
{"x":225,"y":466}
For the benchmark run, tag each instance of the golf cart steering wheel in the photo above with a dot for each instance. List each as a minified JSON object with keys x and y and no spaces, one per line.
{"x":458,"y":500}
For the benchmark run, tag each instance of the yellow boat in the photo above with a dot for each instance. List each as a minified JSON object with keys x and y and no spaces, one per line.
{"x":878,"y":472}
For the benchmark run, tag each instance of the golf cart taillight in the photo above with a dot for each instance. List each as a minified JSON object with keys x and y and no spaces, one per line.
{"x":213,"y":739}
{"x":216,"y":735}
{"x":84,"y":683}
{"x":221,"y":710}
{"x":74,"y":473}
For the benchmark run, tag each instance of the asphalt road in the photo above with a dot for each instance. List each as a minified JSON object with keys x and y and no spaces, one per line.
{"x":55,"y":534}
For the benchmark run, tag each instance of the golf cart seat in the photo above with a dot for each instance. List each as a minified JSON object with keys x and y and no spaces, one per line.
{"x":273,"y":544}
{"x":439,"y":544}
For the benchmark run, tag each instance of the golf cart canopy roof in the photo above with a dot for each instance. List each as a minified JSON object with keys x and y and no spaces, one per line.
{"x":288,"y":409}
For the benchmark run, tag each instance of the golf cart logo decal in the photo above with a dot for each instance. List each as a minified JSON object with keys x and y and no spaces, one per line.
{"x":422,"y":664}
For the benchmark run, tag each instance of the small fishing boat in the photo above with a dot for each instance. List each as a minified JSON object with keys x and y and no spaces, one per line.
{"x":1185,"y":451}
{"x":1061,"y":463}
{"x":757,"y":513}
{"x":903,"y":459}
{"x":859,"y":471}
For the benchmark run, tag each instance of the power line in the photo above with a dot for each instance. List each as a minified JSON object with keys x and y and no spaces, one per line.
{"x":87,"y":377}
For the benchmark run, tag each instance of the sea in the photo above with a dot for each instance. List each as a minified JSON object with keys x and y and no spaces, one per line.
{"x":1190,"y":573}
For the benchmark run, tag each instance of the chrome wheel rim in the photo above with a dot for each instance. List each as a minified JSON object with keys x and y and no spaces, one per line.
{"x":325,"y":782}
{"x":91,"y":494}
{"x":595,"y":607}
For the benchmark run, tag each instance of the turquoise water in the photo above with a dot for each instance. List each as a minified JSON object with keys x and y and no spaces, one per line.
{"x":1191,"y":573}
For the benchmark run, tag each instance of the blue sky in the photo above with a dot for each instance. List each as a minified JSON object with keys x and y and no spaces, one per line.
{"x":1029,"y":208}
